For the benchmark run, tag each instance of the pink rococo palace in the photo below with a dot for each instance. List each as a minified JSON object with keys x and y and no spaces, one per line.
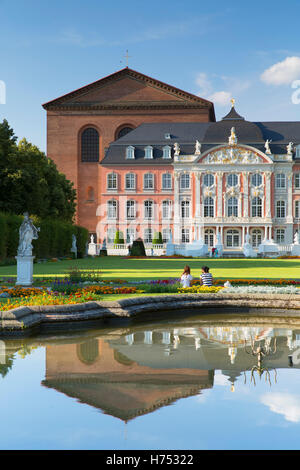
{"x":229,"y":180}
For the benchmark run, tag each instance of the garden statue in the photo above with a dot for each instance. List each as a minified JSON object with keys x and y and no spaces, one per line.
{"x":296,"y":238}
{"x":267,"y":146}
{"x":92,"y":238}
{"x":27,"y":233}
{"x":74,"y":245}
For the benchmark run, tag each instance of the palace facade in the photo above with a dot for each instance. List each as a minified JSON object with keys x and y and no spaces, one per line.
{"x":205,"y":181}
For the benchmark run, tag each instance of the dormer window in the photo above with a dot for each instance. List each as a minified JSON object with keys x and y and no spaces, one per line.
{"x":167,"y":151}
{"x":130,"y":152}
{"x":149,"y":152}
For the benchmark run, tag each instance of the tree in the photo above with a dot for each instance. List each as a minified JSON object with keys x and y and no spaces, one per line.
{"x":30,"y":181}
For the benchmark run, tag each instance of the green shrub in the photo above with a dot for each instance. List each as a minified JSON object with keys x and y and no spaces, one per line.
{"x":3,"y":236}
{"x":138,"y":248}
{"x":157,"y":239}
{"x":119,"y":238}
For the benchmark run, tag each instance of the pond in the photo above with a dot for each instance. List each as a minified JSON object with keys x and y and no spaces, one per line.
{"x":195,"y":383}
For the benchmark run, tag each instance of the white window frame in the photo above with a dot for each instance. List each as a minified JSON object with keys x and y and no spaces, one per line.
{"x":254,"y":178}
{"x":185,"y":209}
{"x":130,"y":152}
{"x":130,"y":231}
{"x":280,"y":235}
{"x":165,"y":235}
{"x":167,"y":152}
{"x":108,"y":236}
{"x":148,"y":209}
{"x":185,"y":181}
{"x":185,"y":235}
{"x":280,"y":181}
{"x":130,"y":209}
{"x":206,"y":178}
{"x":166,"y":209}
{"x":167,"y":176}
{"x":231,"y":177}
{"x":256,"y":208}
{"x":112,"y":181}
{"x":112,"y":209}
{"x":297,"y":209}
{"x":148,"y":181}
{"x":131,"y":178}
{"x":148,"y":152}
{"x":148,"y":235}
{"x":232,"y":209}
{"x":280,"y":209}
{"x":297,"y":180}
{"x":209,"y":207}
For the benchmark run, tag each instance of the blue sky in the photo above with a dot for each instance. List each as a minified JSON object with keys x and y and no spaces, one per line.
{"x":249,"y":50}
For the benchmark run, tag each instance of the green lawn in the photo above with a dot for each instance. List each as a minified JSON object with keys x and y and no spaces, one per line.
{"x":146,"y":268}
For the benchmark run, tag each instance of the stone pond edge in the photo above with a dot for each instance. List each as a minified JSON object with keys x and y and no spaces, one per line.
{"x":26,"y":318}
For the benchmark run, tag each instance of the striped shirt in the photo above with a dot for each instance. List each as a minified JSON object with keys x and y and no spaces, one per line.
{"x":206,"y":279}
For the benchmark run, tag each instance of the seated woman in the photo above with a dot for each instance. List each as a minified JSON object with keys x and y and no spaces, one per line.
{"x":186,"y":277}
{"x":206,"y":278}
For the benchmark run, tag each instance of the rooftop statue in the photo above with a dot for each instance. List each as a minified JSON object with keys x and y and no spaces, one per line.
{"x":289,"y":148}
{"x":176,"y":148}
{"x":27,"y":233}
{"x":197,"y":148}
{"x":233,"y":137}
{"x":267,"y":146}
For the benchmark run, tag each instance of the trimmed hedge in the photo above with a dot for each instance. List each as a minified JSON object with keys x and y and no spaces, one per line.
{"x":55,"y":237}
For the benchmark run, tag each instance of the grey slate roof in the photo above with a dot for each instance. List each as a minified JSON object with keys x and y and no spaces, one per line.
{"x":209,"y":134}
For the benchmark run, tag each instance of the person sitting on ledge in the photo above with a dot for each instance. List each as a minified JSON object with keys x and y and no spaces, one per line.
{"x":206,"y":278}
{"x":186,"y":277}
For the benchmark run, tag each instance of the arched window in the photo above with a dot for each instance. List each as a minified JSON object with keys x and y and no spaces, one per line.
{"x":88,"y":352}
{"x":148,"y":151}
{"x":185,"y":181}
{"x":232,"y":180}
{"x":90,"y":145}
{"x":166,"y":209}
{"x":112,"y":181}
{"x":148,"y":209}
{"x":209,"y":207}
{"x":125,"y":130}
{"x":209,"y":236}
{"x":166,"y":181}
{"x":280,"y":209}
{"x":232,"y":207}
{"x":112,"y":209}
{"x":130,"y":209}
{"x":208,"y":180}
{"x":148,"y":181}
{"x":256,"y":207}
{"x":256,"y":179}
{"x":167,"y":151}
{"x":185,"y":209}
{"x":130,"y":152}
{"x":130,"y":181}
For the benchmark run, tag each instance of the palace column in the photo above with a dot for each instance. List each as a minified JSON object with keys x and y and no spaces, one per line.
{"x":246,"y":193}
{"x":198,"y":193}
{"x":268,"y":175}
{"x":176,"y":237}
{"x":290,"y":197}
{"x":220,"y":190}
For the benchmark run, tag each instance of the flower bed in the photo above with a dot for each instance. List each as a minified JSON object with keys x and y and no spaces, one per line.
{"x":200,"y":290}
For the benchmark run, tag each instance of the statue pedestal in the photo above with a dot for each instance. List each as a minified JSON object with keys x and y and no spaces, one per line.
{"x":92,"y":250}
{"x":248,"y":251}
{"x":268,"y":248}
{"x":197,"y":248}
{"x":24,"y":270}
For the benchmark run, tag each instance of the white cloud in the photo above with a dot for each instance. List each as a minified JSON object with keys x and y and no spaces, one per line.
{"x":283,"y":403}
{"x":220,"y":379}
{"x":221,"y":98}
{"x":204,"y":84}
{"x":282,"y":73}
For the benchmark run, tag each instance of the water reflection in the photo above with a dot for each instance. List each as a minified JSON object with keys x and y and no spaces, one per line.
{"x":133,"y":371}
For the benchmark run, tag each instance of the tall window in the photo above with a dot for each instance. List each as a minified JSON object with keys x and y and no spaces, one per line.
{"x":232,"y":180}
{"x":209,"y":237}
{"x":298,"y":151}
{"x":112,"y":181}
{"x":148,"y":235}
{"x":232,"y":207}
{"x":297,"y":180}
{"x":166,"y":181}
{"x":130,"y":209}
{"x":256,"y":179}
{"x":297,"y":209}
{"x":185,"y":181}
{"x":166,"y":209}
{"x":130,"y":234}
{"x":112,"y":209}
{"x":149,"y":152}
{"x":185,"y":209}
{"x":280,"y":209}
{"x":111,"y":233}
{"x":256,"y":236}
{"x":256,"y":207}
{"x":148,"y":209}
{"x":232,"y":238}
{"x":130,"y":181}
{"x":280,"y":235}
{"x":208,"y":180}
{"x":208,"y":207}
{"x":167,"y":151}
{"x":148,"y":181}
{"x":130,"y":152}
{"x":280,"y":181}
{"x":166,"y":235}
{"x":185,"y":235}
{"x":90,"y":145}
